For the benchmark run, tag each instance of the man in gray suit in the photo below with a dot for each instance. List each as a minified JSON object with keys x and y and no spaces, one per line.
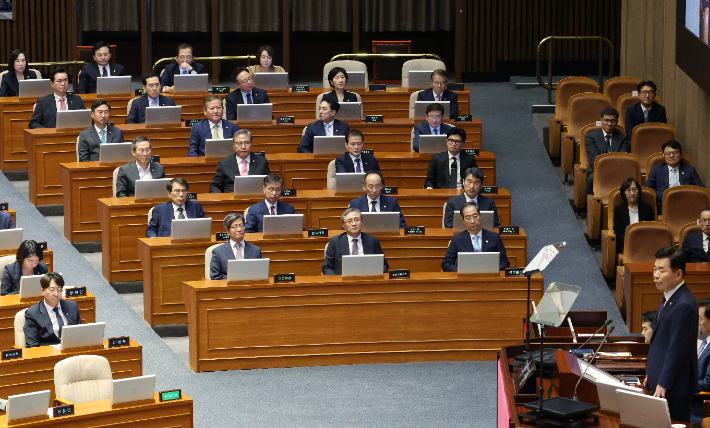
{"x":140,"y":169}
{"x":99,"y":133}
{"x":605,"y":140}
{"x":235,"y":248}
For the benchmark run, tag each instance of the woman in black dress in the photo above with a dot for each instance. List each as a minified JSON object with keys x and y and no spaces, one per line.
{"x":631,"y":210}
{"x":10,"y":86}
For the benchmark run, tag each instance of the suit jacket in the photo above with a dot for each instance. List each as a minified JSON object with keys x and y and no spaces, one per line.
{"x":454,"y":204}
{"x":447,"y":95}
{"x":137,"y":113}
{"x":461,"y":242}
{"x":228,"y":168}
{"x":255,"y":218}
{"x":596,"y":145}
{"x":622,"y":221}
{"x":338,"y":246}
{"x":424,"y":129}
{"x":167,"y":78}
{"x":13,"y":272}
{"x":317,"y":128}
{"x":672,"y":354}
{"x":344,"y":163}
{"x":258,"y":96}
{"x":348,"y":97}
{"x":388,"y":204}
{"x":634,"y":116}
{"x":437,"y":177}
{"x":693,"y":250}
{"x":10,"y":86}
{"x":658,"y":180}
{"x":128,"y":174}
{"x":6,"y":221}
{"x":223,"y":254}
{"x":162,"y":219}
{"x":696,"y":407}
{"x":45,"y":114}
{"x":202,"y":131}
{"x":38,"y":326}
{"x":90,"y":72}
{"x":90,"y":142}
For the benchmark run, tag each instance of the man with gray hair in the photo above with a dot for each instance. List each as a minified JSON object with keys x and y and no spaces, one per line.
{"x":242,"y":163}
{"x":234,"y":249}
{"x":140,"y":169}
{"x":352,"y":242}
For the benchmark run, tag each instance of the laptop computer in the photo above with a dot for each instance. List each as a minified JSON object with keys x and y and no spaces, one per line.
{"x":28,"y":405}
{"x":191,"y":228}
{"x":323,"y":145}
{"x":30,"y":287}
{"x":152,"y":189}
{"x":35,"y":88}
{"x":356,"y":80}
{"x":420,"y":79}
{"x":432,"y":144}
{"x":249,"y":185}
{"x":115,"y":153}
{"x":191,"y":83}
{"x":283,"y":224}
{"x":133,"y":389}
{"x":248,"y":270}
{"x":607,"y":394}
{"x":387,"y":222}
{"x":74,"y":119}
{"x":349,"y":182}
{"x":271,"y":81}
{"x":420,"y":108}
{"x":80,"y":335}
{"x":254,"y":112}
{"x":487,"y":221}
{"x":643,"y":411}
{"x":350,"y":111}
{"x":218,"y":149}
{"x":479,"y":262}
{"x":113,"y":85}
{"x":363,"y":265}
{"x":163,"y":115}
{"x":10,"y":239}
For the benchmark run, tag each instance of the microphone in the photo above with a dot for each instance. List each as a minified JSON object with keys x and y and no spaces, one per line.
{"x":594,"y":355}
{"x":606,"y":323}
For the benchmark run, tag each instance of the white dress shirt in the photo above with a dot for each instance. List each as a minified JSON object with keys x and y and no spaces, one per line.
{"x":668,"y":294}
{"x":633,"y":215}
{"x":57,"y":99}
{"x":328,"y":128}
{"x":459,"y":184}
{"x":362,"y":165}
{"x":220,"y":131}
{"x":53,"y":316}
{"x":240,"y":162}
{"x":144,"y":174}
{"x":377,"y":203}
{"x":705,"y":242}
{"x":268,"y":207}
{"x":359,"y":244}
{"x":101,"y":70}
{"x":175,"y":210}
{"x":670,"y":173}
{"x":480,"y":239}
{"x":154,"y":102}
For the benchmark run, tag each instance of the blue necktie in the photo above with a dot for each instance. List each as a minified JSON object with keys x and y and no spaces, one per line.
{"x":476,"y":244}
{"x":435,"y":131}
{"x":608,"y":143}
{"x":60,"y":321}
{"x":702,"y":346}
{"x":357,"y":166}
{"x":105,"y":73}
{"x":103,"y":136}
{"x":184,"y":72}
{"x":249,"y":99}
{"x":645,"y":116}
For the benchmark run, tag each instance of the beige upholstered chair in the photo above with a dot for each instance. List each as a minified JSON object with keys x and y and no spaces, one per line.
{"x":208,"y":259}
{"x":130,"y":103}
{"x":348,"y":65}
{"x":331,"y":175}
{"x":419,"y":64}
{"x":150,"y":214}
{"x":319,"y":98}
{"x":83,"y":378}
{"x":412,"y":103}
{"x":77,"y":148}
{"x":115,"y":177}
{"x":39,"y":75}
{"x":686,"y":230}
{"x":443,"y":216}
{"x":6,"y":260}
{"x":20,"y":330}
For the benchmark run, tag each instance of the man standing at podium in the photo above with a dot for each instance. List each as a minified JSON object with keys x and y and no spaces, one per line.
{"x":672,"y":368}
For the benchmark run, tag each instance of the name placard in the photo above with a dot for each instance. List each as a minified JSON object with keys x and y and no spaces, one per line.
{"x":299,"y":88}
{"x":76,"y":291}
{"x":110,"y":123}
{"x":471,"y":151}
{"x":59,"y":411}
{"x":414,"y":230}
{"x":4,"y":206}
{"x":192,"y":195}
{"x":12,"y":354}
{"x":262,"y":154}
{"x":191,"y":122}
{"x":317,"y":233}
{"x":489,"y":189}
{"x":392,"y":190}
{"x":463,"y":118}
{"x":368,"y":151}
{"x":42,"y":245}
{"x":378,"y":87}
{"x":221,"y":236}
{"x":284,"y":277}
{"x":140,"y":92}
{"x":509,"y":230}
{"x":374,"y":118}
{"x":514,"y":272}
{"x":174,"y":394}
{"x":155,"y":158}
{"x":288,"y":192}
{"x":399,"y":274}
{"x":281,"y":120}
{"x":455,"y":86}
{"x":117,"y":342}
{"x":220,"y":89}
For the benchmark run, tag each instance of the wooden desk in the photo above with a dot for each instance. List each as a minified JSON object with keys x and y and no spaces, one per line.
{"x":325,"y":320}
{"x":168,"y":414}
{"x":10,"y":305}
{"x":642,"y":295}
{"x":48,"y":147}
{"x":123,"y":220}
{"x":166,"y":265}
{"x":48,"y":257}
{"x":83,"y":183}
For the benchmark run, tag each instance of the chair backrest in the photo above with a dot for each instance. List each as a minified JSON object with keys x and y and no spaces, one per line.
{"x":590,"y":127}
{"x":657,"y":158}
{"x":130,"y":103}
{"x":443,"y":215}
{"x":686,"y":230}
{"x":304,"y":131}
{"x":325,"y":250}
{"x":647,"y":139}
{"x":682,"y":204}
{"x":6,"y":260}
{"x":246,"y":212}
{"x":19,"y":329}
{"x":4,"y":72}
{"x":150,"y":214}
{"x":624,"y":102}
{"x":647,"y":195}
{"x":115,"y":177}
{"x":412,"y":102}
{"x":610,"y":169}
{"x":208,"y":259}
{"x":618,"y":86}
{"x":419,"y":64}
{"x":77,"y":148}
{"x":348,"y":65}
{"x":83,"y":378}
{"x":584,"y":109}
{"x":411,"y":140}
{"x":568,"y":87}
{"x":643,"y":239}
{"x":331,"y":175}
{"x":39,"y":75}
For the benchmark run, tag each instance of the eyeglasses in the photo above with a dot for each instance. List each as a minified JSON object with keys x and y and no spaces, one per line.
{"x":143,"y":151}
{"x":472,"y":217}
{"x":453,"y":142}
{"x":273,"y":189}
{"x":237,"y":227}
{"x":439,"y":84}
{"x":242,"y":143}
{"x":434,"y":116}
{"x":353,"y":221}
{"x":671,"y":154}
{"x":185,"y":57}
{"x":248,"y":79}
{"x":647,"y":93}
{"x":179,"y":191}
{"x":705,"y":221}
{"x":610,"y":120}
{"x":53,"y":290}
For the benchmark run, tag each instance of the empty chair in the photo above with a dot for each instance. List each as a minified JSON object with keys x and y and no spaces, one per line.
{"x":348,"y":65}
{"x":647,"y":139}
{"x":583,"y":109}
{"x":420,"y":64}
{"x":681,"y":205}
{"x":558,"y":123}
{"x":618,"y":86}
{"x":83,"y":378}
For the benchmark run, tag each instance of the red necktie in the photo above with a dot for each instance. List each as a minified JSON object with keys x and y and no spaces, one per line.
{"x":272,"y":210}
{"x":62,"y":104}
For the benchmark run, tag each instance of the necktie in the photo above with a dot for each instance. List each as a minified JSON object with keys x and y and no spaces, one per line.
{"x":645,"y":116}
{"x":329,"y":130}
{"x":238,"y":251}
{"x":374,"y":208}
{"x":608,"y":143}
{"x":103,"y":136}
{"x":355,"y":251}
{"x":357,"y":165}
{"x":184,"y":72}
{"x":105,"y":73}
{"x":272,"y":210}
{"x":244,"y":170}
{"x":180,"y":213}
{"x":435,"y":131}
{"x":476,"y":244}
{"x":674,"y":178}
{"x":702,"y":346}
{"x":438,"y":97}
{"x":660,"y":307}
{"x":60,"y":321}
{"x":215,"y":134}
{"x":62,"y":104}
{"x":153,"y":103}
{"x":452,"y":175}
{"x":249,"y":99}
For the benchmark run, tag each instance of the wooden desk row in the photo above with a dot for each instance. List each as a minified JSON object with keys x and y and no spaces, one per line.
{"x":123,"y":220}
{"x":325,"y":320}
{"x":83,"y":183}
{"x":166,"y":265}
{"x":48,"y":147}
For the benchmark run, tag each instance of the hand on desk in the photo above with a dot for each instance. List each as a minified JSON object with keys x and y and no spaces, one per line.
{"x":660,"y":392}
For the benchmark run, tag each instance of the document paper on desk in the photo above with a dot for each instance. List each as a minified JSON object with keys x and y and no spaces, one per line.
{"x":544,"y":257}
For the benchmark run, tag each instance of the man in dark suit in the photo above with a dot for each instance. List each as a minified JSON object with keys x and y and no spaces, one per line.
{"x":271,"y":205}
{"x":99,"y":133}
{"x":140,"y":169}
{"x":211,"y":128}
{"x":696,"y":407}
{"x":45,"y":111}
{"x":6,"y":221}
{"x":235,"y":248}
{"x":179,"y":207}
{"x":183,"y":65}
{"x":374,"y":200}
{"x":672,"y":365}
{"x":350,"y":243}
{"x":432,"y":126}
{"x":473,"y":239}
{"x":245,"y":93}
{"x":439,"y":92}
{"x":696,"y":246}
{"x":673,"y":172}
{"x":446,"y":169}
{"x":472,"y":185}
{"x":354,"y":160}
{"x":243,"y":163}
{"x":328,"y":125}
{"x":44,"y":321}
{"x":101,"y":67}
{"x":605,"y":140}
{"x":152,"y":98}
{"x":646,"y":110}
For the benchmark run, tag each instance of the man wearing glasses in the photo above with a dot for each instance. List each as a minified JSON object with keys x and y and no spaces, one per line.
{"x":152,"y":98}
{"x":646,"y":110}
{"x":696,"y":246}
{"x":352,"y":242}
{"x":140,"y":169}
{"x":45,"y":111}
{"x":605,"y":140}
{"x":44,"y":320}
{"x":243,"y":163}
{"x":234,"y":249}
{"x":183,"y":65}
{"x":432,"y":125}
{"x":246,"y":93}
{"x":179,"y":207}
{"x":446,"y":169}
{"x":673,"y":172}
{"x":271,"y":205}
{"x":439,"y":92}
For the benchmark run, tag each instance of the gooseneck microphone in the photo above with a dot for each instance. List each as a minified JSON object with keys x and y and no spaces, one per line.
{"x":606,"y":323}
{"x":594,"y":355}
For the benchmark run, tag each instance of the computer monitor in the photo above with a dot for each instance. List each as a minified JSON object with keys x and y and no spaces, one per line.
{"x":350,"y":111}
{"x":430,"y":144}
{"x":249,"y":185}
{"x":113,"y":85}
{"x":28,"y":405}
{"x":420,"y":108}
{"x":271,"y":81}
{"x":487,"y":221}
{"x":30,"y":287}
{"x":191,"y":229}
{"x":152,"y":189}
{"x":606,"y":391}
{"x":163,"y":115}
{"x":643,"y":411}
{"x":35,"y":88}
{"x":115,"y":153}
{"x":349,"y":182}
{"x":283,"y":225}
{"x":356,"y":80}
{"x":363,"y":265}
{"x":420,"y":79}
{"x":81,"y":335}
{"x":479,"y":262}
{"x":248,"y":270}
{"x":10,"y":239}
{"x":380,"y":222}
{"x":334,"y":145}
{"x":191,"y":83}
{"x":254,"y":112}
{"x":219,"y":149}
{"x":74,"y":119}
{"x":133,"y":389}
